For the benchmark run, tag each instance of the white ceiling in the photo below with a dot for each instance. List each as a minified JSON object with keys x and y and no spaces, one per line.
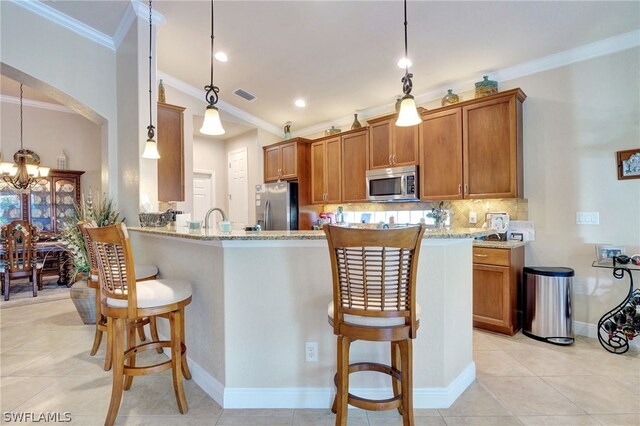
{"x":340,"y":56}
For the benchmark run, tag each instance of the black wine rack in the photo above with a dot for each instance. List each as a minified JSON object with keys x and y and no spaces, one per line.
{"x":620,"y":325}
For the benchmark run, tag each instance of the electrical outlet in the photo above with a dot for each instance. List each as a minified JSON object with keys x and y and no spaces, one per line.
{"x":588,"y":218}
{"x":311,"y":351}
{"x":473,"y":218}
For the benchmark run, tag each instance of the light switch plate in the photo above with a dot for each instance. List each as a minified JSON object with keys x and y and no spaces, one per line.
{"x":473,"y":218}
{"x":587,"y":218}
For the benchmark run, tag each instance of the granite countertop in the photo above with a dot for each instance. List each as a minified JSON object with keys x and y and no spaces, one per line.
{"x":214,"y":234}
{"x":498,"y":244}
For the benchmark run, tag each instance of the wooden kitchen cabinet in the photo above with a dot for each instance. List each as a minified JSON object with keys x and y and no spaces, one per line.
{"x":473,"y":149}
{"x":354,"y":166}
{"x":326,"y":171}
{"x":171,"y":149}
{"x":390,"y":145}
{"x":497,"y":281}
{"x":283,"y":160}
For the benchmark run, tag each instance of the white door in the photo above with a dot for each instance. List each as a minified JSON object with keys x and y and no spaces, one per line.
{"x":238,"y":188}
{"x":203,"y":193}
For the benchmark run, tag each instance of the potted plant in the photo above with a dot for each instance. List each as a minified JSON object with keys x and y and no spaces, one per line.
{"x":103,"y":213}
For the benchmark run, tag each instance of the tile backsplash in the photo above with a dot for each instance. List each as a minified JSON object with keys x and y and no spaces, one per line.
{"x":413,"y":212}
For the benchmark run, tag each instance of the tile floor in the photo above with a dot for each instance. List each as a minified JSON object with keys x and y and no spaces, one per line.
{"x":45,"y":367}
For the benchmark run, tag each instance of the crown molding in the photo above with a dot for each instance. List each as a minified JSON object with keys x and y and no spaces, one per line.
{"x":224,"y":106}
{"x":35,"y":104}
{"x":139,"y":10}
{"x":67,"y":22}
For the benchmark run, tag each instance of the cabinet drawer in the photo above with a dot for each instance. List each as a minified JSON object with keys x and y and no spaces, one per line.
{"x":491,"y":256}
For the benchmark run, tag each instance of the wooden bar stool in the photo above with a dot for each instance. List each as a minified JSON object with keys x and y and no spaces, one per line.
{"x":374,"y":282}
{"x":143,"y":273}
{"x":125,"y":301}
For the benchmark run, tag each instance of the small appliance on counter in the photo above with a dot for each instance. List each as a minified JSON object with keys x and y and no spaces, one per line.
{"x":498,"y":221}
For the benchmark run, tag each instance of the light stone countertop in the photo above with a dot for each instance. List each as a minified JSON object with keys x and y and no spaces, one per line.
{"x":214,"y":234}
{"x":498,"y":244}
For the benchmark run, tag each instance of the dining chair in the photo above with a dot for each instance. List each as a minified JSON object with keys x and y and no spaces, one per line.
{"x":19,"y":255}
{"x":374,"y":299}
{"x":125,"y":301}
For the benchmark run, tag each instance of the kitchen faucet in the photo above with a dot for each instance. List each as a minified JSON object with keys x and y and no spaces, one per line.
{"x":211,"y":210}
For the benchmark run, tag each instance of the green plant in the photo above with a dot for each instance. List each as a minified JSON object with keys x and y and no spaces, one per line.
{"x":102,"y":212}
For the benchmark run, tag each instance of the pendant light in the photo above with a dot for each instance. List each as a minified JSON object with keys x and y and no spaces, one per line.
{"x":211,"y":124}
{"x":25,"y":172}
{"x":408,"y":115}
{"x":151,"y":147}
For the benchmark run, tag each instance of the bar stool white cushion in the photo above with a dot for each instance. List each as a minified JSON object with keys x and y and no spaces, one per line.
{"x":373,"y":321}
{"x":156,"y":293}
{"x":142,"y":272}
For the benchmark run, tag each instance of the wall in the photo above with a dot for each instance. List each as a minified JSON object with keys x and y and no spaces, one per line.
{"x":47,"y":132}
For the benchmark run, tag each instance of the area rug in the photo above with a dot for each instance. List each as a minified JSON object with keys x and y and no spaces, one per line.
{"x":21,"y":294}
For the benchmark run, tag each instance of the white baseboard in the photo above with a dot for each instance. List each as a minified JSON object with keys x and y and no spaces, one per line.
{"x":323,"y":397}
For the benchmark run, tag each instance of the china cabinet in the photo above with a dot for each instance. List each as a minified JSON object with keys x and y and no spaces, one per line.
{"x":49,"y":202}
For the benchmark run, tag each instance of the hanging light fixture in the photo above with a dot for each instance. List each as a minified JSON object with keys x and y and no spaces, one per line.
{"x":151,"y":147}
{"x":25,"y":172}
{"x":211,"y":124}
{"x":408,"y":115}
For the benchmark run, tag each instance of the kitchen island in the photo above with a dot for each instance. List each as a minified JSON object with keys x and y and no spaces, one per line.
{"x":259,"y":296}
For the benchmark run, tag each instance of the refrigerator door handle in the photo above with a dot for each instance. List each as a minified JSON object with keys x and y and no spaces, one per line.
{"x":267,"y":207}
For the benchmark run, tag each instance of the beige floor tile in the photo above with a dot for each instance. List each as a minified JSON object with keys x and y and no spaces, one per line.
{"x":498,"y":363}
{"x":483,"y":421}
{"x":518,"y":342}
{"x":17,"y":360}
{"x":481,"y":342}
{"x":397,"y":421}
{"x":200,"y":404}
{"x":252,"y":420}
{"x":618,"y":419}
{"x":603,"y":363}
{"x":120,"y":421}
{"x":477,"y":400}
{"x":324,"y":417}
{"x":16,"y":390}
{"x":179,"y":420}
{"x":530,"y":396}
{"x":144,"y":395}
{"x":544,"y":362}
{"x":558,"y":420}
{"x":596,"y":394}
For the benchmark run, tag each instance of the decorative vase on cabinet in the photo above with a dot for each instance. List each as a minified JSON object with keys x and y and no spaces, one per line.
{"x":450,"y":98}
{"x":486,"y":87}
{"x":356,"y":124}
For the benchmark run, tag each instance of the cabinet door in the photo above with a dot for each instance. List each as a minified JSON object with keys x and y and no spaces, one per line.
{"x":441,"y":156}
{"x":171,"y":148}
{"x":380,"y":145}
{"x":332,"y":170}
{"x":271,"y":163}
{"x":317,"y":173}
{"x":354,"y":167}
{"x":65,"y":193}
{"x":491,"y":149}
{"x":405,"y":145}
{"x":491,"y":298}
{"x":12,"y":204}
{"x":41,"y":206}
{"x":288,"y":166}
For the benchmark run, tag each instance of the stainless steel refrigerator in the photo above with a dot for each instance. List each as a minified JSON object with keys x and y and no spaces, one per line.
{"x":277,"y":206}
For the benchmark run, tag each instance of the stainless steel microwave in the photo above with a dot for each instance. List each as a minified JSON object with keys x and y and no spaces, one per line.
{"x":393,"y":184}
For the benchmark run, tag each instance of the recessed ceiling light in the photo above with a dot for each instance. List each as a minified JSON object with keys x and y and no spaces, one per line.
{"x":404,"y":63}
{"x":221,"y":56}
{"x":300,"y":103}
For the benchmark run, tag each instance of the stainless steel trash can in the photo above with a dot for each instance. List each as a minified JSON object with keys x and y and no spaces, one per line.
{"x":548,"y":314}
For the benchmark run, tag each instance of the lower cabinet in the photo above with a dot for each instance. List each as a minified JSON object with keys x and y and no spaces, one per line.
{"x":497,"y":281}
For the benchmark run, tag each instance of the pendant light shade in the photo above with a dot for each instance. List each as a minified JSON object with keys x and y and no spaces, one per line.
{"x":408,"y":115}
{"x":211,"y":124}
{"x":151,"y":147}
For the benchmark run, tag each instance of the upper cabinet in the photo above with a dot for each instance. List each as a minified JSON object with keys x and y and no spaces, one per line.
{"x":473,"y":149}
{"x":284,"y":160}
{"x":390,"y":145}
{"x":354,"y":166}
{"x":326,"y":161}
{"x":171,"y":149}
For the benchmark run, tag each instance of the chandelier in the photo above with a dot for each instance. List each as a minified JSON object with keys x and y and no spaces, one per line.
{"x":211,"y":124}
{"x":25,"y":172}
{"x":408,"y":115}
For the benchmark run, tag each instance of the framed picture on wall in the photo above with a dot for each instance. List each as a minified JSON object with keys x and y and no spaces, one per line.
{"x":629,"y":164}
